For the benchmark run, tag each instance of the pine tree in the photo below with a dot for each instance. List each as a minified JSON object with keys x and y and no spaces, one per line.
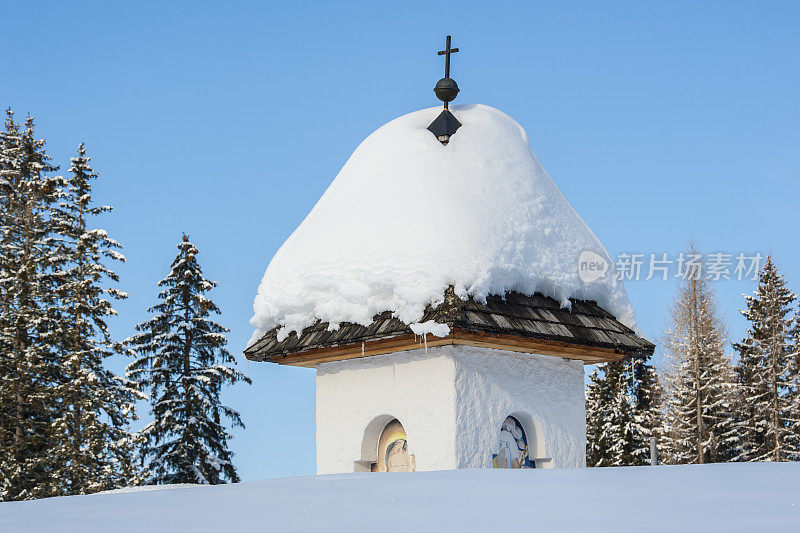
{"x":647,"y":408}
{"x":92,"y":449}
{"x":29,"y":366}
{"x":622,"y":413}
{"x":701,"y":425}
{"x":595,"y":402}
{"x":794,"y":390}
{"x":9,"y":163}
{"x":9,"y":155}
{"x":765,"y":370}
{"x":611,"y":444}
{"x":183,"y":364}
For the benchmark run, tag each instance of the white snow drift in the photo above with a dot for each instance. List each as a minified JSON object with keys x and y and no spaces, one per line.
{"x":406,"y":217}
{"x":722,"y":497}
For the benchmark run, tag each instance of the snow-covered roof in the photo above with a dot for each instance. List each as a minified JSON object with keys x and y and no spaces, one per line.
{"x":584,"y":332}
{"x":407,"y":217}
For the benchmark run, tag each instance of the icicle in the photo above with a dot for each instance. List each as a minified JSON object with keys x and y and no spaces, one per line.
{"x":425,"y":336}
{"x":362,"y":349}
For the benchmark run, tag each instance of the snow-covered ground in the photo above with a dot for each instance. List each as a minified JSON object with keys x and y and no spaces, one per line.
{"x":724,"y":497}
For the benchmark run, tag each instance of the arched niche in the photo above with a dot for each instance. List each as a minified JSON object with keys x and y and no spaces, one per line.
{"x":535,"y":436}
{"x":385,"y":447}
{"x":516,"y":445}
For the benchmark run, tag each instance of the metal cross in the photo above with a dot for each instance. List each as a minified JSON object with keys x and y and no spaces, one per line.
{"x":446,"y":52}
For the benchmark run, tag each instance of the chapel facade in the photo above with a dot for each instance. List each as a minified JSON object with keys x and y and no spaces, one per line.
{"x":504,"y":389}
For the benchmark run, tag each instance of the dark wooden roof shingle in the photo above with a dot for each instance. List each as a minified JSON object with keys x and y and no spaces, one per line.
{"x":536,"y":317}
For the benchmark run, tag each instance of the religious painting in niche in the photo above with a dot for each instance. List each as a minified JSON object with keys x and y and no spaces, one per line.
{"x":393,"y":454}
{"x":512,"y":446}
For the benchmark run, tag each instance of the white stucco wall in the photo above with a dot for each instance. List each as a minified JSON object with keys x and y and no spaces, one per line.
{"x":545,"y":393}
{"x":412,"y":386}
{"x":451,"y":401}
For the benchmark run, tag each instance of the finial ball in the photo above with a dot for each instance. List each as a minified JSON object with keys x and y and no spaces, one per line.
{"x":446,"y":89}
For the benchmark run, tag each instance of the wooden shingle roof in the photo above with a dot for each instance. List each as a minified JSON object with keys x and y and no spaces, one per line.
{"x":516,"y":322}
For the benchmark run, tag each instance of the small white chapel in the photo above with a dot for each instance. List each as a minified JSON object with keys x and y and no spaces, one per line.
{"x":436,"y":289}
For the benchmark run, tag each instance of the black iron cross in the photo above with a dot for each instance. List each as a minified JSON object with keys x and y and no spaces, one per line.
{"x":446,"y":52}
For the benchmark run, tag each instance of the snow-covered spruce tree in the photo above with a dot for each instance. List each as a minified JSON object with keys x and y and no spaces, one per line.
{"x":794,"y":387}
{"x":700,"y":424}
{"x":609,"y":417}
{"x":596,"y":406}
{"x":9,"y":153}
{"x":765,"y":369}
{"x":184,"y":364}
{"x":92,"y":449}
{"x":648,"y":407}
{"x":622,"y":413}
{"x":29,"y":367}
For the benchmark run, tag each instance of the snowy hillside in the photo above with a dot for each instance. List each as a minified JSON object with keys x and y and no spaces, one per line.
{"x":724,"y":497}
{"x":406,"y":217}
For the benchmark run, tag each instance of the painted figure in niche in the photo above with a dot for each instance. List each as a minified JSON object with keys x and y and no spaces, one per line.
{"x":393,"y":453}
{"x":512,"y":446}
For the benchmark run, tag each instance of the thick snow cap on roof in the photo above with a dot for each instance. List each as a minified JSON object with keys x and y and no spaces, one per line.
{"x":407,"y":217}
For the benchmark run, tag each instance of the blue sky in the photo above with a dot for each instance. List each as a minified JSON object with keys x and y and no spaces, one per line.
{"x":659,"y":121}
